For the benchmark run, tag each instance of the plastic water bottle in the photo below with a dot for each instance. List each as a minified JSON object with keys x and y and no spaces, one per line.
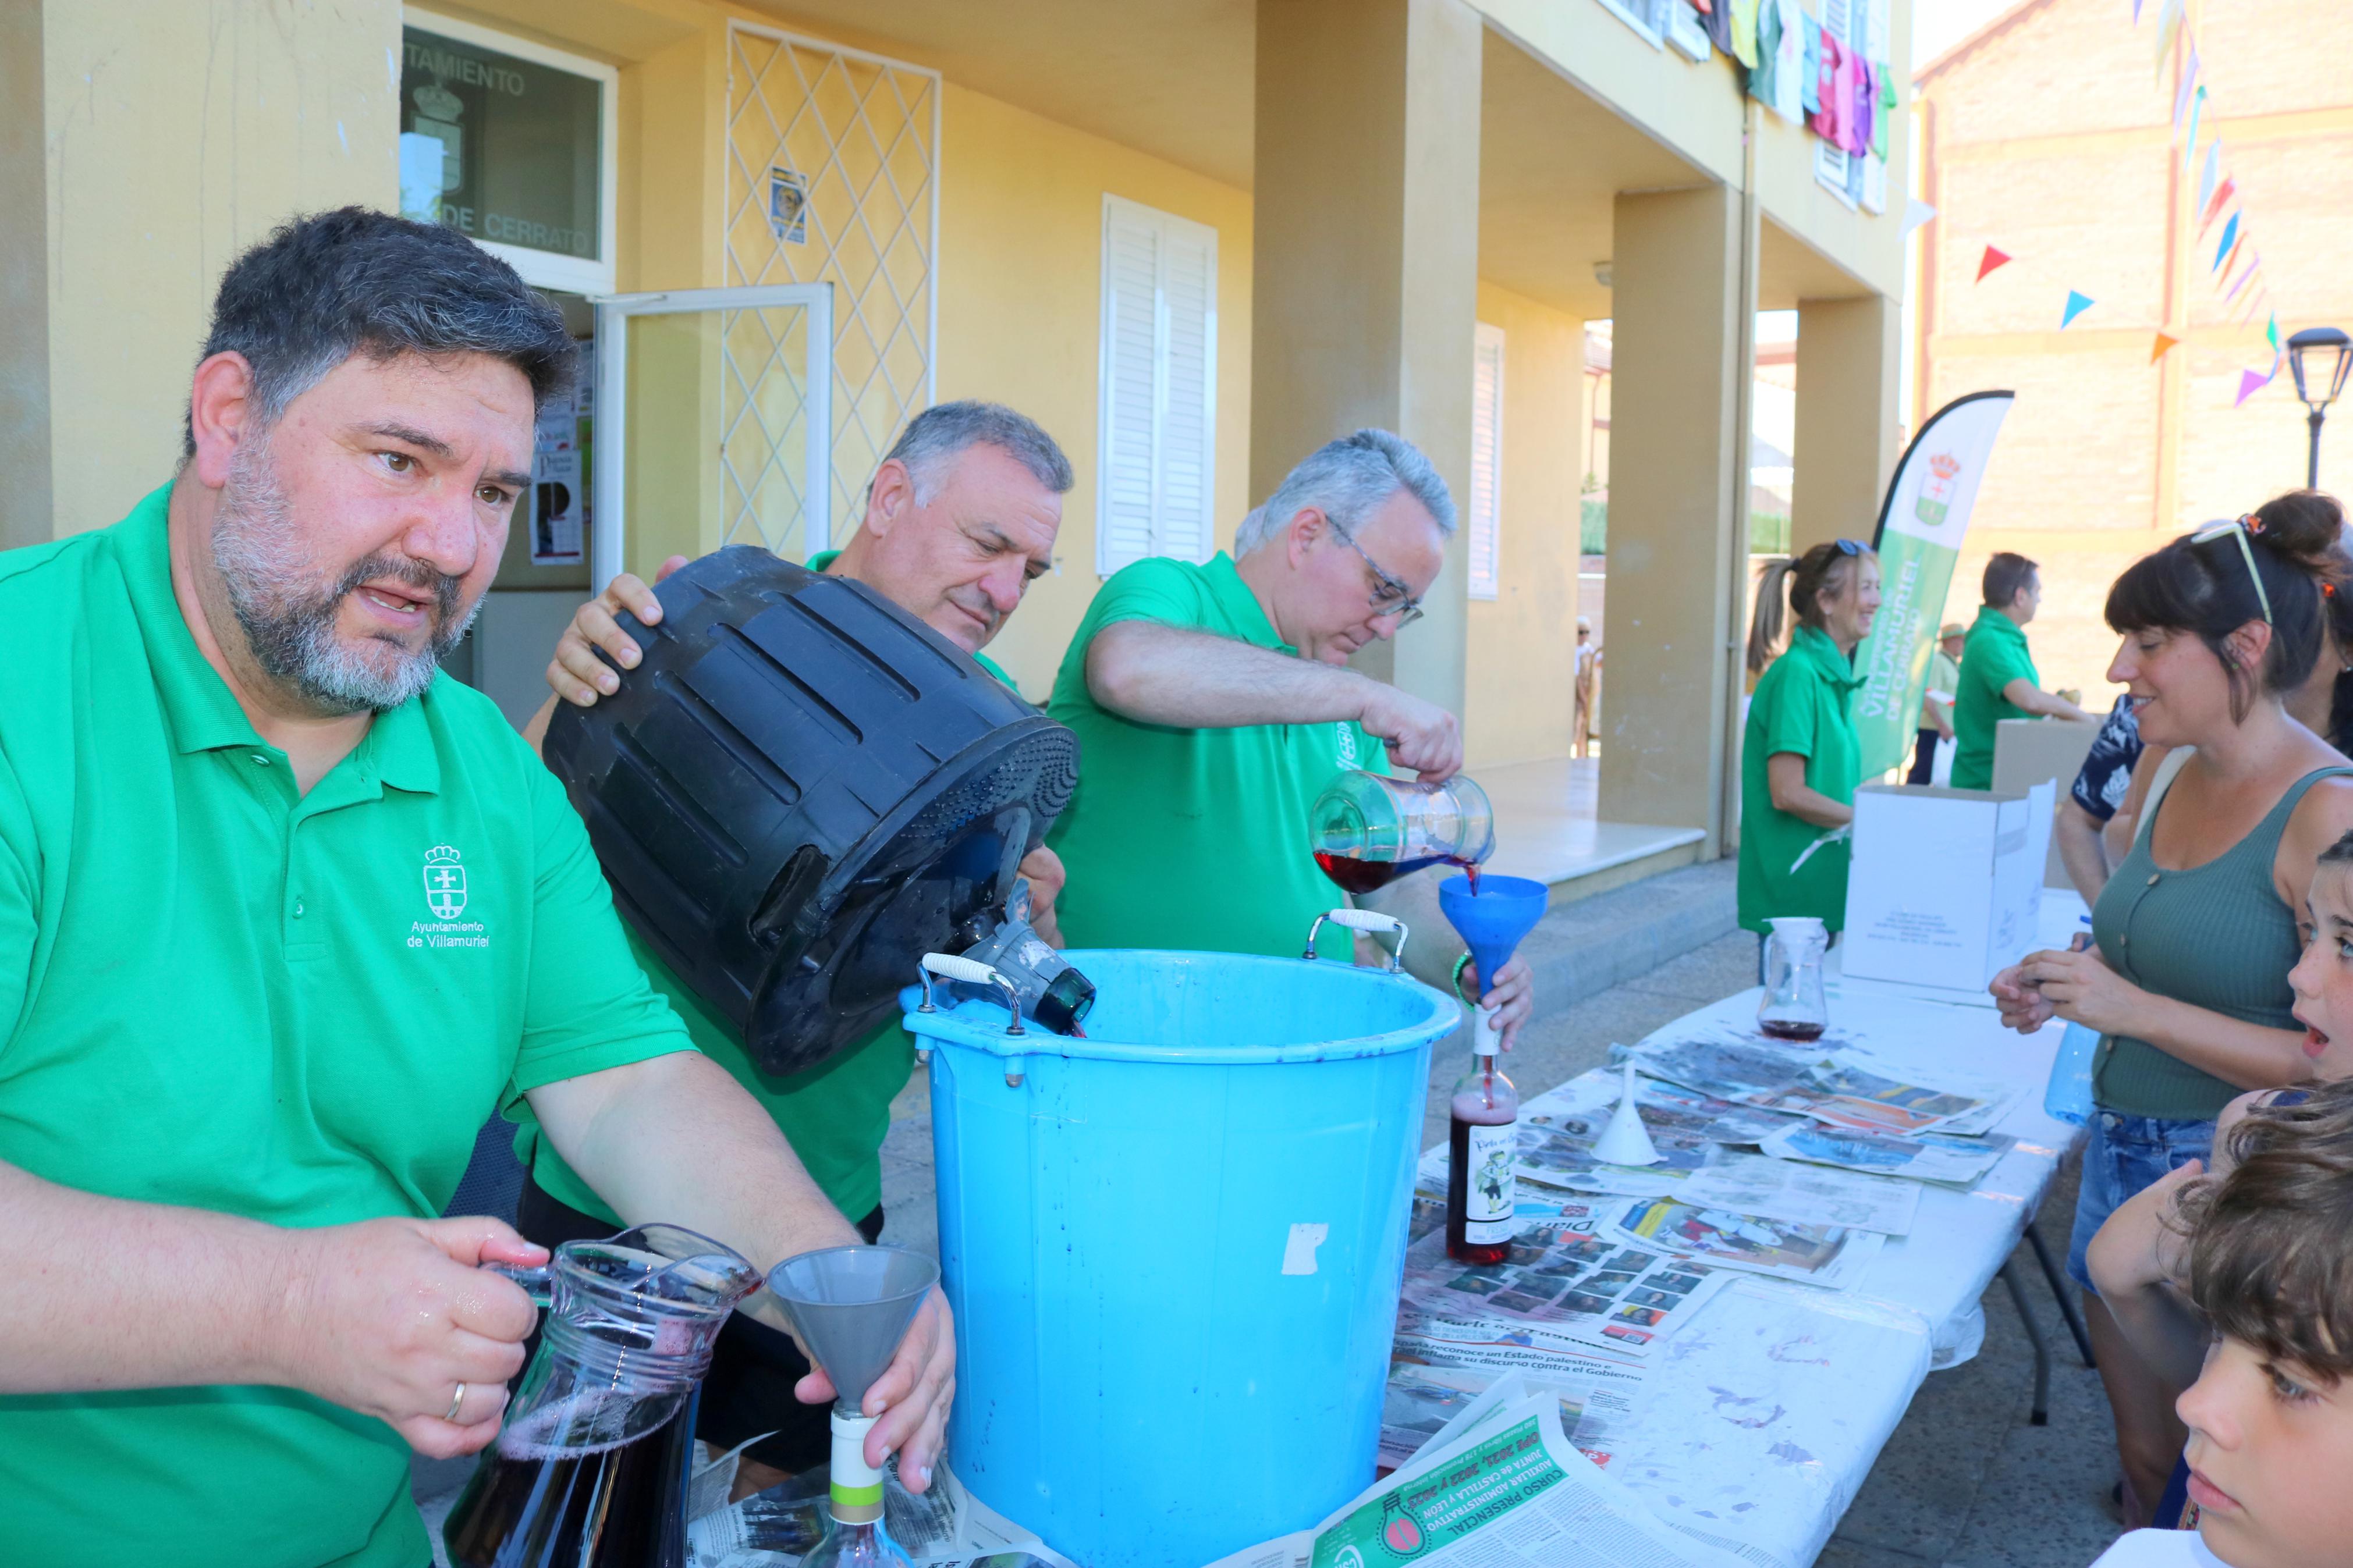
{"x":2068,"y":1097}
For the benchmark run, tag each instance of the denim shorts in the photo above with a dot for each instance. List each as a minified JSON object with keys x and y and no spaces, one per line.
{"x":2122,"y":1156}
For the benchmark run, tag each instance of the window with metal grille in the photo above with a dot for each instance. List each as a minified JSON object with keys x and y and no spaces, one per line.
{"x":1487,"y":458}
{"x":1156,"y":428}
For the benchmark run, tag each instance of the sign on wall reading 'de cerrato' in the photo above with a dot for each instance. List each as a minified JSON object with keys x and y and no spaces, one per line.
{"x":499,"y":148}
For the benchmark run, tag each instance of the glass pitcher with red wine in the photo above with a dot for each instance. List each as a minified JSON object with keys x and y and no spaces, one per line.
{"x":591,"y":1465}
{"x":1792,"y":1007}
{"x":1368,"y":829}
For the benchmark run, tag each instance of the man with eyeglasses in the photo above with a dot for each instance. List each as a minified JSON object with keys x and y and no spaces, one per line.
{"x":1213,"y":702}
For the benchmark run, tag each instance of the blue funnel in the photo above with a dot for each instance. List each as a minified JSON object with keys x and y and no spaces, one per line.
{"x":1492,"y":922}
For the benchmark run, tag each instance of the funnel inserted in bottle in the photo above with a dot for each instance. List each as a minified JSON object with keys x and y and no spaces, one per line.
{"x":851,"y":1306}
{"x":1494,"y":920}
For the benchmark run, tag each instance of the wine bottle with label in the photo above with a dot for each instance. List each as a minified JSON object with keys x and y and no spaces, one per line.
{"x":1479,"y":1183}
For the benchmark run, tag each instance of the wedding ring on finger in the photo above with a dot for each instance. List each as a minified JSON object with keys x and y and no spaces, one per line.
{"x":456,"y":1400}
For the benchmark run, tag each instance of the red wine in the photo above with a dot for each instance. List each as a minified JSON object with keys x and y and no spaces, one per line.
{"x":1789,"y":1028}
{"x":533,"y":1503}
{"x":1487,"y":1112}
{"x":1358,"y":876}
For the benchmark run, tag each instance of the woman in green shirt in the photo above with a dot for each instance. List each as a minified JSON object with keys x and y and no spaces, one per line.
{"x":2196,"y":930}
{"x":1799,"y":759}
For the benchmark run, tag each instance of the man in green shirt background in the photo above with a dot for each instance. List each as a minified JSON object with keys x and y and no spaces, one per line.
{"x":1213,"y":702}
{"x":283,"y":915}
{"x":1997,"y":678}
{"x":961,"y":518}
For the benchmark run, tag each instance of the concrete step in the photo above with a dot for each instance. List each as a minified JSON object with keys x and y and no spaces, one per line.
{"x":1586,"y":946}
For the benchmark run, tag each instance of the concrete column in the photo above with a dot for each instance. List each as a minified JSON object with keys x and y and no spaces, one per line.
{"x":1846,"y":447}
{"x":23,"y":283}
{"x":1364,"y":261}
{"x":170,"y":137}
{"x":1678,"y":468}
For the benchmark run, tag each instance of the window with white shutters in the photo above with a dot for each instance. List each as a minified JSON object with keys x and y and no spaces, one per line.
{"x":1486,"y":458}
{"x":1156,"y":437}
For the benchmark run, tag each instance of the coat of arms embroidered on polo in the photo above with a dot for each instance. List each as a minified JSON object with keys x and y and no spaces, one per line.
{"x":445,"y":883}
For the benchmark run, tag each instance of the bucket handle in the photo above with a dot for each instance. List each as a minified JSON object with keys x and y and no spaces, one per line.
{"x":1372,"y":923}
{"x":972,"y":971}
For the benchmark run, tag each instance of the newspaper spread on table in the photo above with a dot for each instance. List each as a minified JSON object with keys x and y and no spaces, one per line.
{"x":1748,"y":1071}
{"x":1563,"y":1282}
{"x":1499,"y":1485}
{"x":946,"y":1526}
{"x":1936,"y":1157}
{"x":1827,"y":1256}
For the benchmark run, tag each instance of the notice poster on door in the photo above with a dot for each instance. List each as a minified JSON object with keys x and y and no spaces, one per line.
{"x":559,"y":470}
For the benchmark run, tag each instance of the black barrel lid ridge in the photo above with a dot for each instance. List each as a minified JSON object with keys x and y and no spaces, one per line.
{"x":799,"y":791}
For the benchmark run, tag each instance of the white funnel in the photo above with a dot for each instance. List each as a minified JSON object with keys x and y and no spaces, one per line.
{"x":1626,"y":1141}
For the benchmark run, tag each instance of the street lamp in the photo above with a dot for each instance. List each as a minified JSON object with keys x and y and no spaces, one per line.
{"x":2332,"y":352}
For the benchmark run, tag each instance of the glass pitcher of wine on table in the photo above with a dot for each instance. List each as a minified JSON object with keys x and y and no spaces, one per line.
{"x":1792,"y":1007}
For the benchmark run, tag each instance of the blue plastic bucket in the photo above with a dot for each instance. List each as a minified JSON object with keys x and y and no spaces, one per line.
{"x":1174,"y":1249}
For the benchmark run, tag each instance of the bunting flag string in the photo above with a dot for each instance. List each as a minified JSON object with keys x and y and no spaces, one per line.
{"x":2237,"y":265}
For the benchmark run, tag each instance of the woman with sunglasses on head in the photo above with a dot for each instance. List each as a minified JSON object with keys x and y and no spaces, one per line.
{"x":1801,"y":761}
{"x":2194,"y":934}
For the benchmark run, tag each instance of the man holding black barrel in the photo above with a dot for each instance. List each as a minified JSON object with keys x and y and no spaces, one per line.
{"x":961,"y":518}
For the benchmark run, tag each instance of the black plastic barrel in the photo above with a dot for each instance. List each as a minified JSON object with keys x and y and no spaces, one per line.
{"x":800,"y":790}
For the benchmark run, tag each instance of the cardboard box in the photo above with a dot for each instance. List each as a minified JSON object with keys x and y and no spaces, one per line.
{"x":2029,"y":752}
{"x":1945,"y":885}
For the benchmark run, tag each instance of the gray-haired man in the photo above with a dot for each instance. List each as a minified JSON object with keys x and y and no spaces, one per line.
{"x":1213,"y":702}
{"x":960,"y":519}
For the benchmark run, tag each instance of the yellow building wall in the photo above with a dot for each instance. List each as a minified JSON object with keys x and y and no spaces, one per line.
{"x":1020,"y":319}
{"x":1523,"y":642}
{"x":270,"y":110}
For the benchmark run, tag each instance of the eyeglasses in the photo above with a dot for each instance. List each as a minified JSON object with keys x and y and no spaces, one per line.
{"x":1392,"y":597}
{"x":2238,"y":529}
{"x":1851,"y":547}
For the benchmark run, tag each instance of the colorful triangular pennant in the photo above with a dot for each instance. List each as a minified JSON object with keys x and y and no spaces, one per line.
{"x":2271,"y":335}
{"x":2229,"y":238}
{"x":2077,"y":305}
{"x":1991,"y":260}
{"x":2250,"y":384}
{"x":2164,"y":342}
{"x":2221,"y":199}
{"x":2213,"y":168}
{"x":2189,"y":80}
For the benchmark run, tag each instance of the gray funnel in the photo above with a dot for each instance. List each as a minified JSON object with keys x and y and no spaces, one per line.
{"x":851,"y":1306}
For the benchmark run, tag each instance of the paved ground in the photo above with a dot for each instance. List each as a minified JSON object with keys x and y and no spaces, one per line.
{"x":1964,"y":1483}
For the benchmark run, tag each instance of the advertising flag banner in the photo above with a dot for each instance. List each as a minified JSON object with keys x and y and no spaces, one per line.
{"x":1921,"y":525}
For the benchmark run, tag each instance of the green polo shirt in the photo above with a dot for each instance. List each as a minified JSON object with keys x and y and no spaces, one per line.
{"x":218,"y":993}
{"x":835,"y":1114}
{"x":1994,"y":655}
{"x":1194,"y":838}
{"x":1805,"y":704}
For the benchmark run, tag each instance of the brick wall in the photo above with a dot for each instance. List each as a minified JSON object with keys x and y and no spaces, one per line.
{"x":2051,"y":137}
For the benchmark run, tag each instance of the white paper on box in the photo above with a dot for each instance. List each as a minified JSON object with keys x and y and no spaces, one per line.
{"x":1945,"y":885}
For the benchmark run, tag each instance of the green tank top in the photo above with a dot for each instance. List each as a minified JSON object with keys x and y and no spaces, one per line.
{"x":2215,"y":936}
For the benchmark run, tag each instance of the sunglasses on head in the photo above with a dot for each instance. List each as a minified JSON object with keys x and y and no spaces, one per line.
{"x":2238,"y":528}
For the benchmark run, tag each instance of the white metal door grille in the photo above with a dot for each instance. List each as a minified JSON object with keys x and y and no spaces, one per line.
{"x":763,"y":429}
{"x":861,"y":135}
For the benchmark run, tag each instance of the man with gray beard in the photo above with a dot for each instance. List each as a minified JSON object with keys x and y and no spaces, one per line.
{"x":283,"y":917}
